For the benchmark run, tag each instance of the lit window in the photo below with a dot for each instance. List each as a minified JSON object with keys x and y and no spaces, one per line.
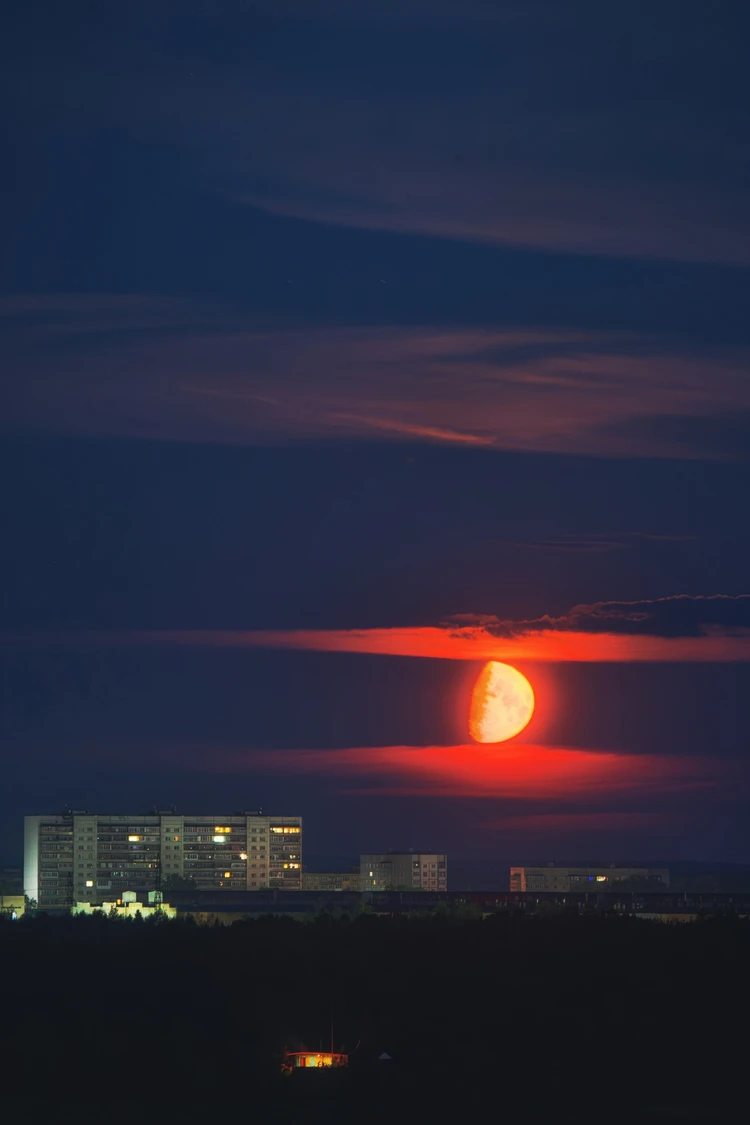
{"x":601,"y":878}
{"x":219,"y":840}
{"x":227,"y":874}
{"x":243,"y":855}
{"x":222,"y":831}
{"x":89,"y":882}
{"x":133,"y":839}
{"x":175,"y":838}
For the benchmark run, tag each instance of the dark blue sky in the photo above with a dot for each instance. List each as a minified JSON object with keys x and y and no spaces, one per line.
{"x":334,"y":316}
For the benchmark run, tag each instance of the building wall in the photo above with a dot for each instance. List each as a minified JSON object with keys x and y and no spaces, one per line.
{"x":551,"y":878}
{"x":412,"y":870}
{"x":79,"y":857}
{"x":31,"y":856}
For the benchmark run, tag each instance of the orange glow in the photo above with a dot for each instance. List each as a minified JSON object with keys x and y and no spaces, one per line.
{"x":316,"y":1058}
{"x":462,"y":642}
{"x":513,"y":770}
{"x":502,"y":703}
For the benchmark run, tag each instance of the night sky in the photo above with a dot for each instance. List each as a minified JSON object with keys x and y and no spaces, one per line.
{"x":346,"y":345}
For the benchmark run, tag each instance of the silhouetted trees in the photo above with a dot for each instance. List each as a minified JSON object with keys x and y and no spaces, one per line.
{"x":535,"y":1016}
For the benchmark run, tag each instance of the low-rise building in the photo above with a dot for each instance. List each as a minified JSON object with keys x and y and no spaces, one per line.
{"x":305,"y":1060}
{"x":128,"y":906}
{"x":330,"y":881}
{"x":12,"y":906}
{"x":551,"y":878}
{"x":395,"y":871}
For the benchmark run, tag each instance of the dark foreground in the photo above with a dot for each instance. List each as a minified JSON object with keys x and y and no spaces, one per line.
{"x":515,"y":1018}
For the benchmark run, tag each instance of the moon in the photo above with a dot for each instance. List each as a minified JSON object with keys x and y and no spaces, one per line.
{"x":502,"y":703}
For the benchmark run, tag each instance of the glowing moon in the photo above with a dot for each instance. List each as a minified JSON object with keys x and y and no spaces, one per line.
{"x":502,"y":703}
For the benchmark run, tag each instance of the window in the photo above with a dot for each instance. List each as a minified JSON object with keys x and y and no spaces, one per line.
{"x":220,"y":831}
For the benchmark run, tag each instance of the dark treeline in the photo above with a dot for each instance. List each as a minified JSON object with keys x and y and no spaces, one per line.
{"x":549,"y":1018}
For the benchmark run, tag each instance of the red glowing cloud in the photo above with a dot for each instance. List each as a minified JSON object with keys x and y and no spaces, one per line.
{"x":478,"y":644}
{"x":512,"y":771}
{"x":463,"y":643}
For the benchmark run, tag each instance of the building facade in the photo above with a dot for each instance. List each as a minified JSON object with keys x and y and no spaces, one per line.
{"x":76,"y":857}
{"x":423,"y":871}
{"x":551,"y":878}
{"x":129,"y":907}
{"x":12,"y":906}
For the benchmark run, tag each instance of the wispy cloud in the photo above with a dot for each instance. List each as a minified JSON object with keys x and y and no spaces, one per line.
{"x":510,"y":123}
{"x":515,"y":771}
{"x":469,"y":643}
{"x":596,"y":542}
{"x":126,"y":369}
{"x":679,"y":629}
{"x":413,"y":430}
{"x":471,"y":149}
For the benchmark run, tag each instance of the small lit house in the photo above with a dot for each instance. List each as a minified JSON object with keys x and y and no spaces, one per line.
{"x":295,"y":1060}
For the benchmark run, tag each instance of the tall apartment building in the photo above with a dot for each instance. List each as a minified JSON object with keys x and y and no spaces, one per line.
{"x":551,"y":878}
{"x":77,"y":856}
{"x":423,"y":871}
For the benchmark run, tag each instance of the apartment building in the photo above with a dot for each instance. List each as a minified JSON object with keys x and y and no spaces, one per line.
{"x":395,"y":871}
{"x":552,"y":878}
{"x":77,"y":856}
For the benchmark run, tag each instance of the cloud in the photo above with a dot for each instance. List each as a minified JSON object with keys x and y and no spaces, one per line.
{"x":573,"y":127}
{"x":413,"y":430}
{"x":596,"y":542}
{"x":573,"y":784}
{"x":185,"y":371}
{"x":678,"y":629}
{"x":678,"y":615}
{"x":464,"y":142}
{"x":514,"y":771}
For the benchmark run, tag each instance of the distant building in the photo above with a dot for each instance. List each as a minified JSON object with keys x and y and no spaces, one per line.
{"x":330,"y":881}
{"x":75,"y":857}
{"x":551,"y":878}
{"x":294,"y":1060}
{"x":128,"y":906}
{"x":424,"y":871}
